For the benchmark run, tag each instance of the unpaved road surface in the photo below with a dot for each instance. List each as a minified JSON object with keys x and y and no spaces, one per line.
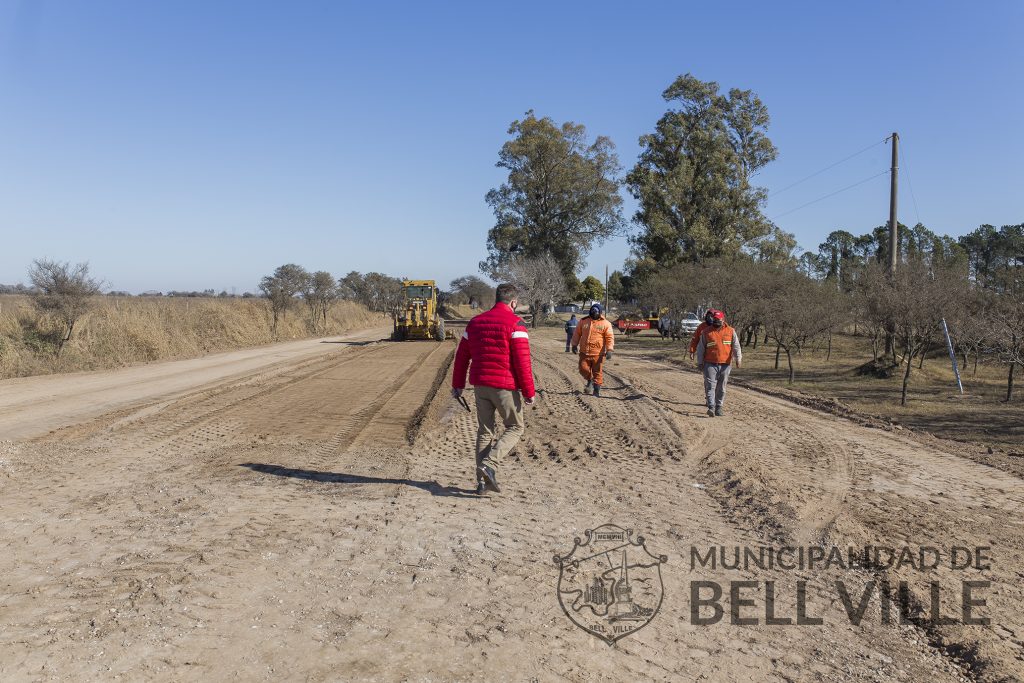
{"x":30,"y":406}
{"x":315,"y":521}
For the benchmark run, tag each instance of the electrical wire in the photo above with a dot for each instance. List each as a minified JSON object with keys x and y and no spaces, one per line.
{"x":906,"y":167}
{"x":830,"y":194}
{"x":830,"y":166}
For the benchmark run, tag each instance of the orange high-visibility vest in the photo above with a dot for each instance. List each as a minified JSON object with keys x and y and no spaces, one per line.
{"x":696,"y":336}
{"x":718,"y":344}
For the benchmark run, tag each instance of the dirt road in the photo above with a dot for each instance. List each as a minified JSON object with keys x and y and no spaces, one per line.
{"x":30,"y":406}
{"x":316,"y":522}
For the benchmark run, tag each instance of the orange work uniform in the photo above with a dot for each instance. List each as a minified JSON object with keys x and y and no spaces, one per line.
{"x":594,"y":338}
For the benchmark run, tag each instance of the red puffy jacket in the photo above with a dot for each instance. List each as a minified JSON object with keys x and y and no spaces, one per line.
{"x":499,"y":346}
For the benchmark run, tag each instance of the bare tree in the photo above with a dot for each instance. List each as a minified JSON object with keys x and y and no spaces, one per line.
{"x":1008,"y":331}
{"x":799,"y":314}
{"x":539,"y":280}
{"x":911,"y":303}
{"x":63,"y":291}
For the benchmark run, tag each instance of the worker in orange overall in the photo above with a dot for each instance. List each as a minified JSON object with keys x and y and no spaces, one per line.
{"x":718,"y":347}
{"x":593,"y":340}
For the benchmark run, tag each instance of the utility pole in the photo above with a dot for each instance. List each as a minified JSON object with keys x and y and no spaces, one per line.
{"x":893,"y":236}
{"x":890,"y":330}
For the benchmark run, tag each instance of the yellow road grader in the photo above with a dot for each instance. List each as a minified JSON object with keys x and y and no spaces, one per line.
{"x":418,"y":317}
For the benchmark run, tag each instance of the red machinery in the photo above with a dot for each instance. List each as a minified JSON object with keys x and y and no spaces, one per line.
{"x":632,"y":326}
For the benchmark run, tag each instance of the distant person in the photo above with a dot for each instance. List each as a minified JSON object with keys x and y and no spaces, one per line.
{"x":594,"y":341}
{"x":570,"y":329}
{"x":495,"y":348}
{"x":718,"y":347}
{"x":709,"y":319}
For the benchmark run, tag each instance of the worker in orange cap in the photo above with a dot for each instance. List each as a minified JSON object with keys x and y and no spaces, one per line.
{"x":718,"y":347}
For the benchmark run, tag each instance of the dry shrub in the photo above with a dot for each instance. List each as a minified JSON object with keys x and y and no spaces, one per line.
{"x":122,"y":331}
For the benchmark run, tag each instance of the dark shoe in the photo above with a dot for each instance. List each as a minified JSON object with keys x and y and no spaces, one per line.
{"x":590,"y":384}
{"x":490,"y":478}
{"x":597,"y":390}
{"x":718,"y":412}
{"x":711,"y":412}
{"x":480,"y":488}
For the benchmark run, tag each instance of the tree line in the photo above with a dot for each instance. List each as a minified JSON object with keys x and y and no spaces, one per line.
{"x":793,"y":307}
{"x":699,"y":237}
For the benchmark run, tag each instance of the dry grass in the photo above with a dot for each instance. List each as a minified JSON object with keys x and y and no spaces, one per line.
{"x":934,"y":405}
{"x":124,"y":331}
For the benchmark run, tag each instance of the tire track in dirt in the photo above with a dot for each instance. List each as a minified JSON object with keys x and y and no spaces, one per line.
{"x":470,"y":581}
{"x":206,"y":402}
{"x":807,"y":478}
{"x":349,"y":565}
{"x":823,"y":465}
{"x":181,"y":554}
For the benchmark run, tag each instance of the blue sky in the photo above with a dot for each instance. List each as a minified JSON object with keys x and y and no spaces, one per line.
{"x":187,"y":145}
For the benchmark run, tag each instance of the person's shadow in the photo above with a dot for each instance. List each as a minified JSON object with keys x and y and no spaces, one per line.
{"x":431,"y":487}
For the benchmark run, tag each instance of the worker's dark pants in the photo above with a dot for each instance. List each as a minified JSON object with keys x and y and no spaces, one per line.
{"x":568,"y":339}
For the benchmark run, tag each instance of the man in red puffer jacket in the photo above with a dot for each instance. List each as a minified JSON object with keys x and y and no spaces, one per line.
{"x":496,"y":349}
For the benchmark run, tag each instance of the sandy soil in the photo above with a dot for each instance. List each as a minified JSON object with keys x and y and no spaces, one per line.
{"x":313,"y":519}
{"x":30,"y":406}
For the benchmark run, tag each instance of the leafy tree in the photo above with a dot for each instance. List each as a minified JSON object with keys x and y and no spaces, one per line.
{"x":281,"y":287}
{"x":377,"y":291}
{"x":64,"y":291}
{"x":385,"y":292}
{"x":320,"y":291}
{"x":777,"y":247}
{"x":812,"y":265}
{"x":617,"y":286}
{"x":472,"y":290}
{"x":591,"y":289}
{"x":838,"y":255}
{"x":573,"y":286}
{"x":561,"y":196}
{"x":692,"y":179}
{"x":993,"y":255}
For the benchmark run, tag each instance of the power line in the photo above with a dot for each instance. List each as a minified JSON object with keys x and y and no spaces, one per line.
{"x":830,"y":194}
{"x":906,"y":167}
{"x":831,"y":166}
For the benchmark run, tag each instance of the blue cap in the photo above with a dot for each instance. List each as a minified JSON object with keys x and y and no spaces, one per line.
{"x":597,"y":308}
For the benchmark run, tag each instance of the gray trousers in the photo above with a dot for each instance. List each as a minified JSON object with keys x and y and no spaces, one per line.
{"x":508,"y":407}
{"x":716,"y":377}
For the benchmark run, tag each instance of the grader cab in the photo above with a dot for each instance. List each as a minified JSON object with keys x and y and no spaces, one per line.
{"x":418,"y":316}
